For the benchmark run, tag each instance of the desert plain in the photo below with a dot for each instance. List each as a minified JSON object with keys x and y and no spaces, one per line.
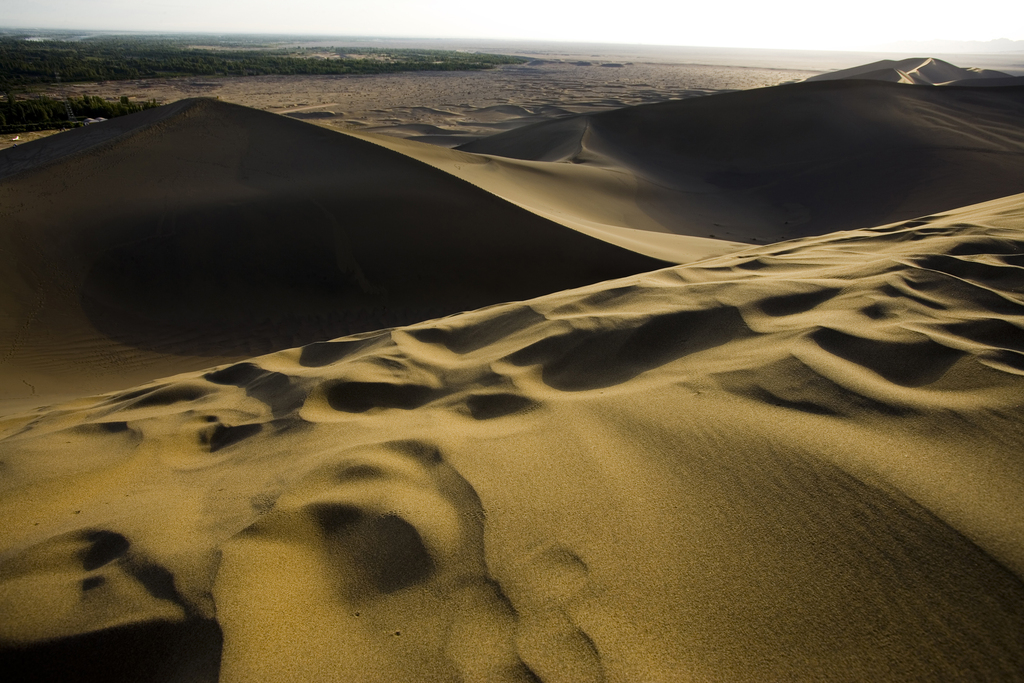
{"x":603,"y":367}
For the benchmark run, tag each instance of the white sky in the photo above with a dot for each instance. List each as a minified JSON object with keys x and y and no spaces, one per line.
{"x":797,"y":24}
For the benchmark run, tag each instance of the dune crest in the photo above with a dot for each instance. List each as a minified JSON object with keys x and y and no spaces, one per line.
{"x":774,"y":163}
{"x":205,"y":231}
{"x":913,"y":71}
{"x":740,"y":469}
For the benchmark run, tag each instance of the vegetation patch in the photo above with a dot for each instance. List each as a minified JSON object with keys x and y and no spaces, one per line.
{"x":47,"y":113}
{"x":29,"y":59}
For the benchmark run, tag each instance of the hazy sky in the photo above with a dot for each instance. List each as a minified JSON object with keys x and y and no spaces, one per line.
{"x":801,"y":24}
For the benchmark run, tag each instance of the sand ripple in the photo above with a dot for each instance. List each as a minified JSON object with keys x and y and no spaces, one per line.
{"x":798,"y":461}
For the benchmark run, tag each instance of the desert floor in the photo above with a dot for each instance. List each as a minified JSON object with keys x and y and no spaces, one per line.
{"x":469,"y":104}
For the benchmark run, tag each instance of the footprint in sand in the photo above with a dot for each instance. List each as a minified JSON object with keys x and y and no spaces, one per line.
{"x":383,"y":549}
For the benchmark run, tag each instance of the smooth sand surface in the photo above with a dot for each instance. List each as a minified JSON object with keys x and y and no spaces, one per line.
{"x":205,"y":230}
{"x":794,"y":160}
{"x":799,"y":461}
{"x":282,"y":403}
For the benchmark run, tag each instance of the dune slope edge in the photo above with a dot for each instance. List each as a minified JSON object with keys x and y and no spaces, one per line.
{"x":778,"y":163}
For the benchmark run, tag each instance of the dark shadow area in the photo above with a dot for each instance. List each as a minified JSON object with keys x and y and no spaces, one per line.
{"x":391,"y":555}
{"x":276,"y":390}
{"x":103,"y":547}
{"x":358,"y":397}
{"x":490,"y":406}
{"x":319,"y":354}
{"x":255,"y":278}
{"x":156,"y":652}
{"x":583,"y":359}
{"x":910,"y":364}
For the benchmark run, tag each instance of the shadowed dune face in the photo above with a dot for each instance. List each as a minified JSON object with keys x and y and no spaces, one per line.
{"x":795,"y":462}
{"x":796,"y":160}
{"x":205,"y":232}
{"x":217,"y":281}
{"x":211,"y":230}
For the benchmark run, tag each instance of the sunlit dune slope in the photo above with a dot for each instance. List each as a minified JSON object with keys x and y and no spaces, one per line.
{"x":604,"y":202}
{"x":796,"y":462}
{"x":792,"y":160}
{"x":208,"y":229}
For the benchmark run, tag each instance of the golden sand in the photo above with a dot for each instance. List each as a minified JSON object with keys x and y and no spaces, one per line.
{"x":505,"y":432}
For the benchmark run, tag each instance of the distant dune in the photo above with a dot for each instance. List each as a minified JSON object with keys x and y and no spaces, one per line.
{"x":913,"y":70}
{"x":789,"y":161}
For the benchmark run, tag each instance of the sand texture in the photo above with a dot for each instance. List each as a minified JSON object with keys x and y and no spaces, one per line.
{"x":282,"y":403}
{"x":454,"y":107}
{"x":795,"y":461}
{"x":208,"y":230}
{"x":795,"y":160}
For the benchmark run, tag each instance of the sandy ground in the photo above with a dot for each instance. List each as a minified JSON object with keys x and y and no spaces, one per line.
{"x":452,"y":108}
{"x":286,"y":403}
{"x":793,"y":462}
{"x":457,"y":106}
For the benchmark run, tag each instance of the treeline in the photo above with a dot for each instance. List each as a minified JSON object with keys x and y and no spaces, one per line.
{"x":26,"y":62}
{"x":46,"y":113}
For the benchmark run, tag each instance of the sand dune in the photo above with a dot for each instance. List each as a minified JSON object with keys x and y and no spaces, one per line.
{"x":991,"y":82}
{"x":281,"y":403}
{"x":599,"y":201}
{"x":794,"y":160}
{"x":794,"y":462}
{"x":913,"y":70}
{"x":454,"y":100}
{"x":157,"y":243}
